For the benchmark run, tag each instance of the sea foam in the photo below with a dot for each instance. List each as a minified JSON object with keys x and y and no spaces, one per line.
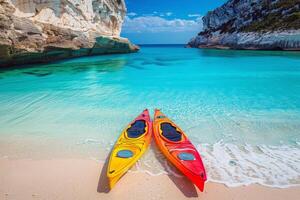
{"x":235,"y":165}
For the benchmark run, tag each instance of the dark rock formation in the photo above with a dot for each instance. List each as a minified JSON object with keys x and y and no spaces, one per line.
{"x":252,"y":24}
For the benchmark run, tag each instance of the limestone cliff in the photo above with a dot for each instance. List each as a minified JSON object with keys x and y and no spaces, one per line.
{"x":252,"y":24}
{"x":34,"y":31}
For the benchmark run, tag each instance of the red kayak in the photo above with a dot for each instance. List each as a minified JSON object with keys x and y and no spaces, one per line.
{"x":178,"y":149}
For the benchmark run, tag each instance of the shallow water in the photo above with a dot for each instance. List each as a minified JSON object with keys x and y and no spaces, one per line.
{"x":240,"y":108}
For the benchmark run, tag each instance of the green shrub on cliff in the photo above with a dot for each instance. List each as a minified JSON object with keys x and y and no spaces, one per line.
{"x":282,"y":15}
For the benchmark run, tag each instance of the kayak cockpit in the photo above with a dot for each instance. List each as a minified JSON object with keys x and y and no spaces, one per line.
{"x":170,"y":132}
{"x":137,"y":129}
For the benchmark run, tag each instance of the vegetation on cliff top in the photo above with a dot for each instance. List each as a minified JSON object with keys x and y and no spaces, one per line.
{"x":282,"y":15}
{"x":264,"y":16}
{"x":273,"y":22}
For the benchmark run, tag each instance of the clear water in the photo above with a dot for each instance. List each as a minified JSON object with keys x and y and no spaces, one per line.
{"x":240,"y":108}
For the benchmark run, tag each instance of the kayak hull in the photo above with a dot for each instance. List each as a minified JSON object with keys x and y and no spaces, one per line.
{"x":182,"y":154}
{"x":128,"y":150}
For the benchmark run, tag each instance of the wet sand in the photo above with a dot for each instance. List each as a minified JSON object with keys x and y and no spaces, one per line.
{"x":84,"y":179}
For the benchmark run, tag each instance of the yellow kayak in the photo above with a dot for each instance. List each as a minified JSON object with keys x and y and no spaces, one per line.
{"x":131,"y":145}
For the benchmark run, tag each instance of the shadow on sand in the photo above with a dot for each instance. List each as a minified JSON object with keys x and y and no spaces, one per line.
{"x":103,"y":184}
{"x":182,"y":183}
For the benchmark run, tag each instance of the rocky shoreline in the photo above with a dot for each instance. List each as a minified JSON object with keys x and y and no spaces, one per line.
{"x":287,"y":40}
{"x":41,"y":32}
{"x":247,"y":24}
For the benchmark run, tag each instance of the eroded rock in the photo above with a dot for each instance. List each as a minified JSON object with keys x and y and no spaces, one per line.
{"x":252,"y":24}
{"x":34,"y":31}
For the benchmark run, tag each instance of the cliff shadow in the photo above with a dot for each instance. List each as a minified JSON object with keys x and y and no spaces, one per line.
{"x":182,"y":183}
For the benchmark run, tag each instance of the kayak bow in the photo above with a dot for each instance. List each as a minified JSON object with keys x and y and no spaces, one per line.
{"x":130,"y":146}
{"x":178,"y":149}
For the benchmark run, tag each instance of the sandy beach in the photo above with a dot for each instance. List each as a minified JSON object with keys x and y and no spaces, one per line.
{"x":84,"y":179}
{"x":172,"y":94}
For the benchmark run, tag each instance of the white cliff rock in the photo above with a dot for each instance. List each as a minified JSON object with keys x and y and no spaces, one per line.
{"x":104,"y":16}
{"x":46,"y":30}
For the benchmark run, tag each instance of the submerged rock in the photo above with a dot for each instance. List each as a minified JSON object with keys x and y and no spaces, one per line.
{"x":34,"y":31}
{"x":252,"y":24}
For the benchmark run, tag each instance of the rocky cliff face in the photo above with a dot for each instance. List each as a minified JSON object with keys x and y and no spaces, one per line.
{"x":34,"y":31}
{"x":252,"y":24}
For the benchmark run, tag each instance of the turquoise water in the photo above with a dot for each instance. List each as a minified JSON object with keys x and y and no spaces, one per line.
{"x":240,"y":108}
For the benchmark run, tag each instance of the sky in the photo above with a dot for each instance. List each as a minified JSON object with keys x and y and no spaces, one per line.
{"x":165,"y":21}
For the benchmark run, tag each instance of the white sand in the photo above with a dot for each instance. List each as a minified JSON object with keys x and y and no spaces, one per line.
{"x":84,"y":179}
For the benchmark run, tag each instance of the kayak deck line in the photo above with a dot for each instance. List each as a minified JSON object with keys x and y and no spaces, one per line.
{"x":180,"y":152}
{"x":129,"y":147}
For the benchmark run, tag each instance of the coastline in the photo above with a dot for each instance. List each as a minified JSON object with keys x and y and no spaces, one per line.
{"x":71,"y":80}
{"x":102,"y":45}
{"x":85,"y":179}
{"x":224,"y":47}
